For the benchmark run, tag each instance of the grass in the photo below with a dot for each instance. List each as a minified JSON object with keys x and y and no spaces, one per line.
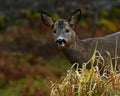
{"x":24,"y":87}
{"x":88,"y":82}
{"x":62,"y":64}
{"x":9,"y":92}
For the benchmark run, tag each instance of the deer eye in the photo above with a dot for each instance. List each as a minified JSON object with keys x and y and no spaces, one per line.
{"x":54,"y":31}
{"x":67,"y":31}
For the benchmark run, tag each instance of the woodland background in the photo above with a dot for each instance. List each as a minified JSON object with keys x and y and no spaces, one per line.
{"x":29,"y":57}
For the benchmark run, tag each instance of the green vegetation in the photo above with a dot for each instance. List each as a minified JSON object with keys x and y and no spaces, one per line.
{"x":23,"y":87}
{"x":64,"y":63}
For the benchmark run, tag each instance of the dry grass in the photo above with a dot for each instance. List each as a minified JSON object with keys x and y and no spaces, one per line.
{"x":88,"y":82}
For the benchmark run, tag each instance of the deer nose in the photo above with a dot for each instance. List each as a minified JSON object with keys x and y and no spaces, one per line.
{"x":60,"y":41}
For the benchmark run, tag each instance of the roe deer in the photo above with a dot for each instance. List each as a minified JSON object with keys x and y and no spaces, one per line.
{"x":80,"y":51}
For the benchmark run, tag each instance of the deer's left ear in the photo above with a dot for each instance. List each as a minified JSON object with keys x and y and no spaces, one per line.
{"x":74,"y":18}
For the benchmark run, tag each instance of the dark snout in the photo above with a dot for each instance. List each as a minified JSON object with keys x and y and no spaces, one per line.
{"x":61,"y":41}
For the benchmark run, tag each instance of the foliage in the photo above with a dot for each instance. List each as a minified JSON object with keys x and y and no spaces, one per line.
{"x":110,"y":26}
{"x":3,"y":24}
{"x":28,"y":54}
{"x":55,"y":16}
{"x":87,"y":82}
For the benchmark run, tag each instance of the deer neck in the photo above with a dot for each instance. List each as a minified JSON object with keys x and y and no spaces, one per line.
{"x":76,"y":53}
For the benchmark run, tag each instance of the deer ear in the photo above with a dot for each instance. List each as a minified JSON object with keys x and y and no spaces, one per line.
{"x":47,"y":19}
{"x":74,"y":18}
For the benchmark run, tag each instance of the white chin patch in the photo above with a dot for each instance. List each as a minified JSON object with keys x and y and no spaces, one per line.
{"x":61,"y":45}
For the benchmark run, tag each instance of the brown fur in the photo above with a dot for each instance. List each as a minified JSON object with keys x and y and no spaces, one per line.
{"x":80,"y":51}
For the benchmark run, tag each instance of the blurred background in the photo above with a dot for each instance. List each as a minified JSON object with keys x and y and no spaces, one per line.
{"x":29,"y":57}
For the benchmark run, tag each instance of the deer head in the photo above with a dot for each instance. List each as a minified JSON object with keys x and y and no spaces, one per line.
{"x":63,"y":30}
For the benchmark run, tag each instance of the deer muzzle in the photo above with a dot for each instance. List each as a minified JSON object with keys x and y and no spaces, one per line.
{"x":61,"y":42}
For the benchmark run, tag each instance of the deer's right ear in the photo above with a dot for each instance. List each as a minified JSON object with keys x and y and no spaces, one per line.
{"x":47,"y":19}
{"x":74,"y":18}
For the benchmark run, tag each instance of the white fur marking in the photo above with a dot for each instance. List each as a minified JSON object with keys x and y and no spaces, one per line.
{"x":60,"y":37}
